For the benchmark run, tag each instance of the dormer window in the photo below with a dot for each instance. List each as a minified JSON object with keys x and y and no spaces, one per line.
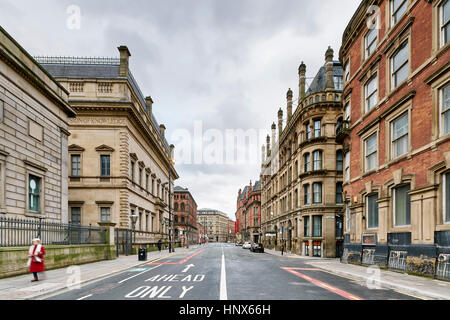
{"x":338,"y":83}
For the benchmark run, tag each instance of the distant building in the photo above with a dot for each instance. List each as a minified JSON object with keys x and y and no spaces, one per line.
{"x":202,"y":236}
{"x":215,"y":223}
{"x":34,"y":116}
{"x":185,"y":217}
{"x":231,"y":230}
{"x":248,"y":213}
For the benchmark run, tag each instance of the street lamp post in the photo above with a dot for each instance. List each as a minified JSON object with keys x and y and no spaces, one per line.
{"x":133,"y":218}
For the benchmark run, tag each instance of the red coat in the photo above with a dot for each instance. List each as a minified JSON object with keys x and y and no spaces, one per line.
{"x":38,"y":266}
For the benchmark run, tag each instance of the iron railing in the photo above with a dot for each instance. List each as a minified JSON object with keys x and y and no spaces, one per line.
{"x":16,"y":232}
{"x":77,"y":60}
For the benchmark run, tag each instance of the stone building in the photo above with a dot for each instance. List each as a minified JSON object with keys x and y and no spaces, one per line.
{"x":34,"y":115}
{"x":248,"y":212}
{"x":119,"y":158}
{"x":301,"y":171}
{"x":185,"y":216}
{"x":396,"y":136}
{"x":215,"y":223}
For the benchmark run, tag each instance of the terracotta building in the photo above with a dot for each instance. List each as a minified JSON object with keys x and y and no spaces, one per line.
{"x":34,"y":116}
{"x":396,"y":136}
{"x":301,"y":171}
{"x":248,"y":213}
{"x":119,"y":159}
{"x":185,"y":217}
{"x":231,"y":230}
{"x":202,"y":236}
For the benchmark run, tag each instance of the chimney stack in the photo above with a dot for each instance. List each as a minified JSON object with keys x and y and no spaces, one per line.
{"x":172,"y":147}
{"x":162,"y":129}
{"x":280,"y":121}
{"x":124,"y":61}
{"x":329,"y":85}
{"x":149,"y":103}
{"x":302,"y":81}
{"x":289,"y":96}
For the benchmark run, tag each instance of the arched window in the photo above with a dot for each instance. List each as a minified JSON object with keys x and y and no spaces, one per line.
{"x":175,"y":207}
{"x":182,"y":207}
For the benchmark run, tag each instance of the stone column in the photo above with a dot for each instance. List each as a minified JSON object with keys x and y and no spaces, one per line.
{"x":64,"y":175}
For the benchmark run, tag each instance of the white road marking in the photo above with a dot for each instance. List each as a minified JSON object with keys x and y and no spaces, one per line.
{"x":89,"y":295}
{"x":188,"y":267}
{"x":139,"y":273}
{"x":223,"y":280}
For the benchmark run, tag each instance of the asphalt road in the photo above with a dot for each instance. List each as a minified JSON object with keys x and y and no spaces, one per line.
{"x":226,"y":272}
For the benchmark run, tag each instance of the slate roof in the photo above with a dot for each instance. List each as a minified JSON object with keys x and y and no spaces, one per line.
{"x":318,"y":84}
{"x":74,"y":70}
{"x":257,"y":186}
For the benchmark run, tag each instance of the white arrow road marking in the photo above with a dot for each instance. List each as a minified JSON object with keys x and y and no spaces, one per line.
{"x":139,"y":274}
{"x":89,"y":295}
{"x":223,"y":280}
{"x":188,"y":267}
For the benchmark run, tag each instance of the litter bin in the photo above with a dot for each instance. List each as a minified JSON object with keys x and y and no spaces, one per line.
{"x":142,"y":254}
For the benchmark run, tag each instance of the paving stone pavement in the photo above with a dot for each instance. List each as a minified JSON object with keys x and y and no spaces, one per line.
{"x":21,"y":287}
{"x":414,"y":285}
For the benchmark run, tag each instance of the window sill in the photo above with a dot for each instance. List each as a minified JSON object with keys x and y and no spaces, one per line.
{"x":370,"y":172}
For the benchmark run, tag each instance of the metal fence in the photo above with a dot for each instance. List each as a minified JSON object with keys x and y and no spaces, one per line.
{"x":15,"y":232}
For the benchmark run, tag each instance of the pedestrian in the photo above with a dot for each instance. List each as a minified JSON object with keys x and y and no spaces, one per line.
{"x":159,"y":245}
{"x":36,"y":254}
{"x":282,"y":248}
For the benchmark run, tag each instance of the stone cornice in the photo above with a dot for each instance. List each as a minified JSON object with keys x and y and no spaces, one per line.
{"x":33,"y":72}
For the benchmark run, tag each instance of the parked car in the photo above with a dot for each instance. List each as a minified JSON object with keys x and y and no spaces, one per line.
{"x":238,"y":244}
{"x":246,"y":245}
{"x":257,"y":247}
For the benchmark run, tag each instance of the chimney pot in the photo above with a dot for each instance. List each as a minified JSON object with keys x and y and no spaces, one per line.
{"x":149,"y":103}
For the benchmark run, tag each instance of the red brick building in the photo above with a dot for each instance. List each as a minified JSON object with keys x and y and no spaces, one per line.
{"x":185,"y":217}
{"x":396,"y":136}
{"x":248,"y":213}
{"x":231,"y":230}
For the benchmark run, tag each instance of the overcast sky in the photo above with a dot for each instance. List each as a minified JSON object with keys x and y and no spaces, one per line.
{"x":220,"y":64}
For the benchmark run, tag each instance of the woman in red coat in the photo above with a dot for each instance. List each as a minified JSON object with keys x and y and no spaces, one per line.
{"x":36,"y":258}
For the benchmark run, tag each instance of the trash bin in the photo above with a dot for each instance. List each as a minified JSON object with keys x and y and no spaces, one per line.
{"x":142,"y":254}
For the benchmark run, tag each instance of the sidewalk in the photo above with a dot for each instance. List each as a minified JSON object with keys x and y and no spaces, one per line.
{"x":427,"y":288}
{"x":414,"y":285}
{"x":21,"y":287}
